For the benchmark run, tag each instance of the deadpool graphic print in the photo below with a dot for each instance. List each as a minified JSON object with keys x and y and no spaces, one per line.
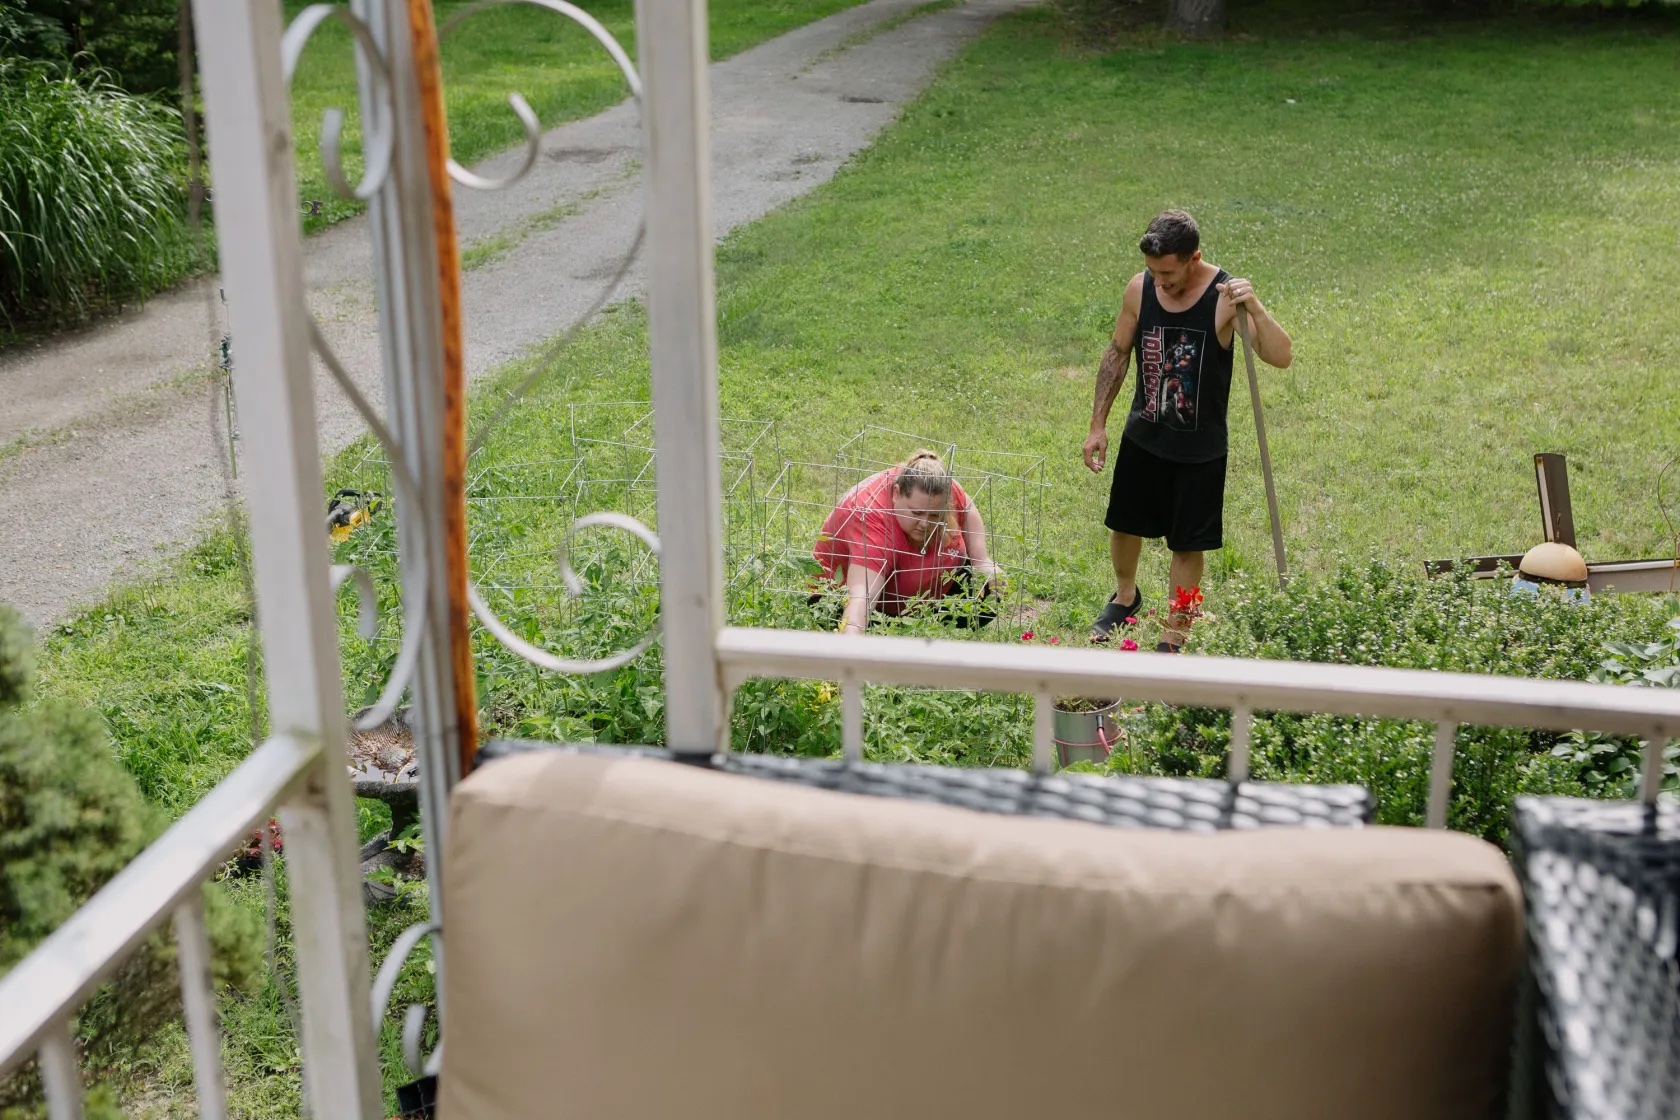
{"x":1172,"y":376}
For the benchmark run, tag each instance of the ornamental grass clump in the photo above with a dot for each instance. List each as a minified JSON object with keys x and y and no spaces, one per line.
{"x":92,"y":194}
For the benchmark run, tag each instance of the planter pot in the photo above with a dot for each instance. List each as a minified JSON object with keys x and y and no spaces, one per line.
{"x":1086,"y":736}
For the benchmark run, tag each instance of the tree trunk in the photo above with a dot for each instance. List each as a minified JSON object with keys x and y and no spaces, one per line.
{"x":1198,"y":19}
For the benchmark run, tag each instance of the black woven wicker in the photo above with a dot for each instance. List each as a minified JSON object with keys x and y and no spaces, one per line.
{"x":1601,"y":883}
{"x":1182,"y":804}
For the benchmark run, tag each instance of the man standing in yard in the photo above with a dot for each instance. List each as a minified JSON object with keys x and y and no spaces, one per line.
{"x":1180,"y":314}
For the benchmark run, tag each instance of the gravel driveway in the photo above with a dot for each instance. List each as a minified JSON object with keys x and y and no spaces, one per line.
{"x":106,"y":462}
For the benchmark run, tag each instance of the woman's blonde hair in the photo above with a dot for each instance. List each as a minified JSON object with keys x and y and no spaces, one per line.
{"x":925,"y":471}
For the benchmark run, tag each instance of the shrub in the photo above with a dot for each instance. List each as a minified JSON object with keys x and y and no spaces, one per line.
{"x":1610,"y":765}
{"x":28,"y":34}
{"x":70,"y":819}
{"x":139,"y":41}
{"x":91,"y":196}
{"x":1376,"y":615}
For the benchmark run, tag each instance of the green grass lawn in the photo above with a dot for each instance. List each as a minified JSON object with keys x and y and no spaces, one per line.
{"x":1465,"y":234}
{"x":554,"y":63}
{"x":1469,"y":233}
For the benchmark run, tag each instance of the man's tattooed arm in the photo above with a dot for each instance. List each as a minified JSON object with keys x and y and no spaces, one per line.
{"x":1111,"y":374}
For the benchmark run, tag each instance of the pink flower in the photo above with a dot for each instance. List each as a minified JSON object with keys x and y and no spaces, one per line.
{"x":1055,"y":641}
{"x":1128,"y":645}
{"x":1027,"y":637}
{"x":1131,"y":619}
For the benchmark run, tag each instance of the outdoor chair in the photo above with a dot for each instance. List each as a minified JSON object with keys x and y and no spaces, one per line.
{"x":632,"y":936}
{"x":1600,"y":1036}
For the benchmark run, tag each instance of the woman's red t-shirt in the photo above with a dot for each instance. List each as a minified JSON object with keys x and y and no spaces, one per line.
{"x":863,"y":529}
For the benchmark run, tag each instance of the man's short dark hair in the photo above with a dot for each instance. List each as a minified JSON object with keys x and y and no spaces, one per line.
{"x":1173,"y":233}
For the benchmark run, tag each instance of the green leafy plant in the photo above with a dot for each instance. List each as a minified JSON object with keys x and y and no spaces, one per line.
{"x":410,"y":841}
{"x":1374,"y":614}
{"x":1610,"y":765}
{"x":26,"y":33}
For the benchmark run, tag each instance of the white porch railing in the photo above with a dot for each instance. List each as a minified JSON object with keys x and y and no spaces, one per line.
{"x":1245,"y":686}
{"x":39,"y":996}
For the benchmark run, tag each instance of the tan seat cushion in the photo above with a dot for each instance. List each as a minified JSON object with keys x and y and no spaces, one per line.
{"x":637,"y":938}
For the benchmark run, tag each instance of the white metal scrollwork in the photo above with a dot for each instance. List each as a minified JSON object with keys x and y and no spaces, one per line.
{"x":414,"y":614}
{"x":522,"y":108}
{"x":380,"y":143}
{"x":540,"y":657}
{"x":414,"y":1018}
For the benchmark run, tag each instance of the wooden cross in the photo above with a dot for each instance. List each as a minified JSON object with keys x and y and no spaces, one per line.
{"x":1551,"y":476}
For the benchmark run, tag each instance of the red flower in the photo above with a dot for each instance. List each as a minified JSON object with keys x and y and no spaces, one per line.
{"x":1128,"y":645}
{"x":1055,"y":641}
{"x":253,"y":846}
{"x":1027,"y":637}
{"x":1185,"y":602}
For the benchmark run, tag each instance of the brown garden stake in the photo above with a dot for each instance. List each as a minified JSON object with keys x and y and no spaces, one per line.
{"x":1243,"y":325}
{"x":454,"y":375}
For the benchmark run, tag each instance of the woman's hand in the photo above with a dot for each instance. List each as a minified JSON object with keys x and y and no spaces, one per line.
{"x":863,"y":588}
{"x":988,"y":571}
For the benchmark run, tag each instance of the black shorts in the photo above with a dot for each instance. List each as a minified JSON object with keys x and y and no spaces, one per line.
{"x":1155,"y":497}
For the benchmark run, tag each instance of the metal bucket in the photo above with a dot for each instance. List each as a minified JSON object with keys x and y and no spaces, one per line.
{"x":1086,"y":736}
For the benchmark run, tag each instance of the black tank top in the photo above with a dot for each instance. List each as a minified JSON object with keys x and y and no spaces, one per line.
{"x":1183,"y":379}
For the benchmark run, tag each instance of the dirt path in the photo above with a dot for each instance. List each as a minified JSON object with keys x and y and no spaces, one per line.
{"x":105,"y":438}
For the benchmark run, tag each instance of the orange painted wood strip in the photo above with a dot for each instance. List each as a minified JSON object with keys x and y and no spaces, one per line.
{"x":427,"y":66}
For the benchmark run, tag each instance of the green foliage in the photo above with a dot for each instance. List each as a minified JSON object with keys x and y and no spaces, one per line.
{"x":1610,"y":765}
{"x":90,"y":194}
{"x":140,"y":41}
{"x":136,"y":40}
{"x":70,"y":819}
{"x":26,"y":33}
{"x":1375,"y":615}
{"x":17,"y":658}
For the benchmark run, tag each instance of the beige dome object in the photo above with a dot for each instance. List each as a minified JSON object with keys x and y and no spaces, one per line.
{"x":1554,"y":563}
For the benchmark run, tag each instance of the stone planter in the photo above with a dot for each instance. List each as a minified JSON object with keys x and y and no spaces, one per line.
{"x":382,"y":767}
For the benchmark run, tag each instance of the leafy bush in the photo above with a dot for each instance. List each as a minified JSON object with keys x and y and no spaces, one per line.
{"x":91,"y":196}
{"x":136,"y":40}
{"x":29,"y":34}
{"x":1610,"y":765}
{"x":70,"y":819}
{"x":1376,"y":615}
{"x":139,"y":41}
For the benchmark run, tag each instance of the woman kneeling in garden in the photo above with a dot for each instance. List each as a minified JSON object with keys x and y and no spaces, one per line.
{"x":906,"y":534}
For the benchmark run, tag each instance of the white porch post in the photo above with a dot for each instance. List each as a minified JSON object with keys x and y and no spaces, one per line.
{"x":262,"y":268}
{"x":672,"y":57}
